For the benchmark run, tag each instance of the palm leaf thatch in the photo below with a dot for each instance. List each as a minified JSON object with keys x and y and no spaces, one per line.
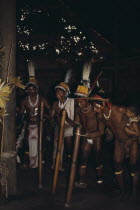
{"x":2,"y":51}
{"x":2,"y":114}
{"x":16,"y":81}
{"x":5,"y":91}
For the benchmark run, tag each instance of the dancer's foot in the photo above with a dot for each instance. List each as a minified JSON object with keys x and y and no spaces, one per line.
{"x":81,"y":185}
{"x":99,"y":180}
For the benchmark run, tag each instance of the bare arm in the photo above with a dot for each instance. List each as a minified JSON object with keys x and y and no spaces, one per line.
{"x":47,"y":107}
{"x":74,"y":124}
{"x":55,"y":113}
{"x":76,"y":116}
{"x":21,"y":112}
{"x":135,"y":130}
{"x":22,"y":108}
{"x":46,"y":104}
{"x":52,"y":113}
{"x":100,"y":131}
{"x":53,"y":110}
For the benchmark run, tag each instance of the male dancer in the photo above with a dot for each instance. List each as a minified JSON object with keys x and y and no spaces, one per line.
{"x":31,"y":106}
{"x":62,"y":92}
{"x":116,"y":119}
{"x":87,"y":117}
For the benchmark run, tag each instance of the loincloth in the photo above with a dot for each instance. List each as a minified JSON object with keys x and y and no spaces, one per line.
{"x":90,"y":141}
{"x":33,"y":145}
{"x":68,"y":131}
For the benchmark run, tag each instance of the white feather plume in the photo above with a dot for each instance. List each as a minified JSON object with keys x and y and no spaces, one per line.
{"x":68,"y":76}
{"x":98,"y":85}
{"x":31,"y":68}
{"x":86,"y":74}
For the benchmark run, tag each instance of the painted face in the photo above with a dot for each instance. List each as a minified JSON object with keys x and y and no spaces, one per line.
{"x":60,"y":94}
{"x":31,"y":90}
{"x":81,"y":102}
{"x":97,"y":107}
{"x":129,"y":113}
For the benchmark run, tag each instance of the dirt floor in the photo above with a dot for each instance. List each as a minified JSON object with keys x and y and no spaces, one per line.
{"x":95,"y":196}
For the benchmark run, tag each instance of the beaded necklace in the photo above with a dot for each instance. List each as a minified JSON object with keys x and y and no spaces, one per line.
{"x":107,"y":117}
{"x":87,"y":109}
{"x":35,"y":103}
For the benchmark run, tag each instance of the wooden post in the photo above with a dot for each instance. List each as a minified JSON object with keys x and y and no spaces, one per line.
{"x":116,"y":53}
{"x":8,"y":34}
{"x":58,"y":155}
{"x":40,"y":146}
{"x":73,"y":168}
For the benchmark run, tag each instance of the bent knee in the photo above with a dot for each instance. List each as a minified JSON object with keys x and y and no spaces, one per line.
{"x":118,"y":166}
{"x":134,"y":168}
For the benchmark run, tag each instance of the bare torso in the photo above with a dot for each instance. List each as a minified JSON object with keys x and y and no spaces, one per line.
{"x":117,"y":122}
{"x":88,"y":119}
{"x":32,"y":111}
{"x":32,"y":108}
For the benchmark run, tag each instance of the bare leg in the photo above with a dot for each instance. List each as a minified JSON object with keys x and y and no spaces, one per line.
{"x":99,"y":169}
{"x":85,"y":151}
{"x":118,"y":158}
{"x":69,"y":146}
{"x":133,"y":164}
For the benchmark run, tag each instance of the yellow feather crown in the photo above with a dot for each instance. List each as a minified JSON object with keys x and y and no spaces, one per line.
{"x":63,"y":86}
{"x":82,"y":91}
